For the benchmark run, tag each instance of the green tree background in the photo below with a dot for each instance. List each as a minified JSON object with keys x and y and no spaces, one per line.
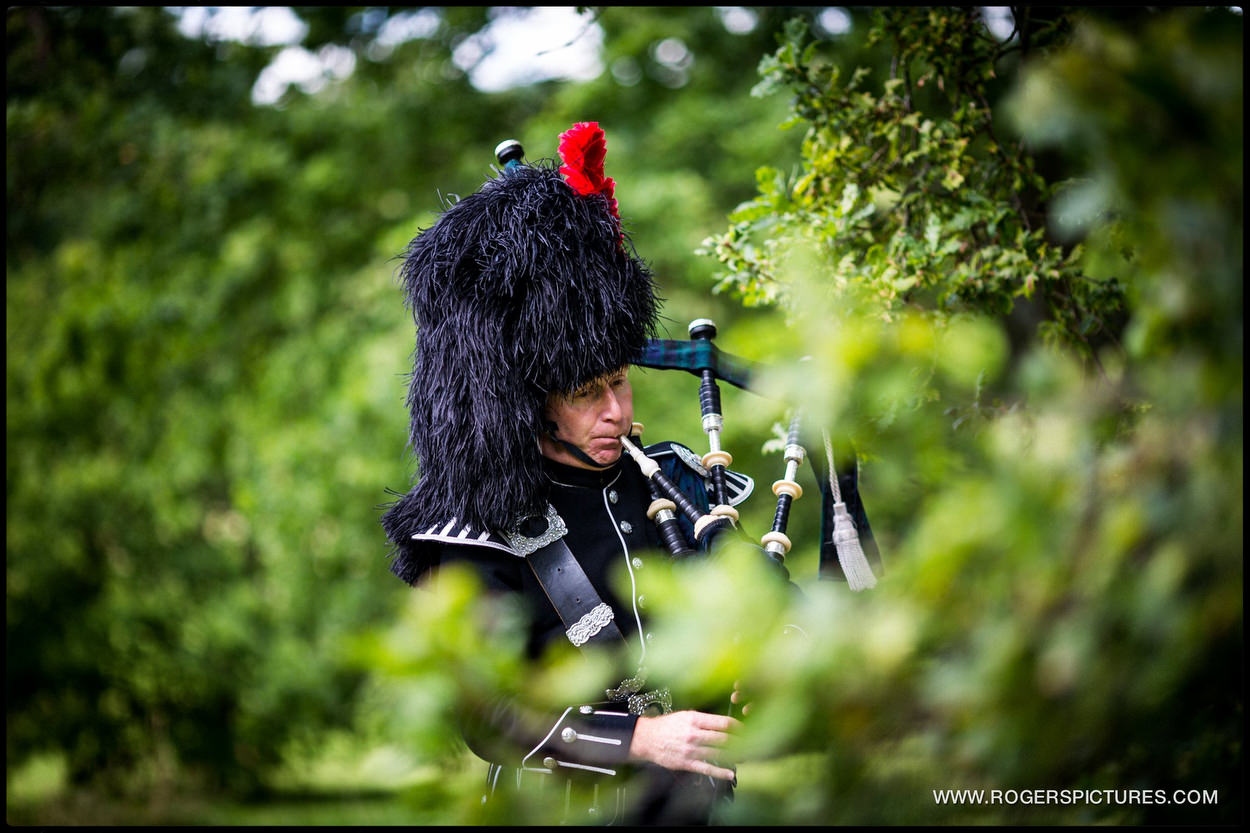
{"x":1014,"y":267}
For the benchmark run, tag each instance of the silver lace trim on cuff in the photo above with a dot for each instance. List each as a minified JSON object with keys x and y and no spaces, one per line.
{"x":638,"y":703}
{"x":590,"y":624}
{"x":627,"y":687}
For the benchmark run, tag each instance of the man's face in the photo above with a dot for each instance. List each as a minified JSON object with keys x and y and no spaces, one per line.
{"x":592,"y":418}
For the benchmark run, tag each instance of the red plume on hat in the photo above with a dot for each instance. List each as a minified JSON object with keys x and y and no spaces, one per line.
{"x":582,"y":149}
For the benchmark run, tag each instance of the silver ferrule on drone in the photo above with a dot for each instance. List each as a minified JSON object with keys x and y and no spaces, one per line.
{"x":713,"y":424}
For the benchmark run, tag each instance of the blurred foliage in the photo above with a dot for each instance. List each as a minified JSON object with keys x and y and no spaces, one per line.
{"x":1063,"y":607}
{"x":1062,"y":604}
{"x":910,"y":186}
{"x":1027,"y":316}
{"x":206,"y":351}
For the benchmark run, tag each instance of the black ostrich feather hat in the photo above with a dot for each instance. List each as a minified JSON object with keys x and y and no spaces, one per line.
{"x":524,"y":288}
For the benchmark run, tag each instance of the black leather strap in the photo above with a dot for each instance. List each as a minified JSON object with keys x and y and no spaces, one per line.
{"x":570,"y":591}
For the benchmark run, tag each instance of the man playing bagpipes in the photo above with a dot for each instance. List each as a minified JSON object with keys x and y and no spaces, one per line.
{"x":530,"y":305}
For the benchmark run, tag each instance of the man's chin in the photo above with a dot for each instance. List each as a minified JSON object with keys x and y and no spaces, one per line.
{"x":605,"y":453}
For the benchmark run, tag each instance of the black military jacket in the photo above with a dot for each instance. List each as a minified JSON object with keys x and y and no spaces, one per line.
{"x":610,"y":535}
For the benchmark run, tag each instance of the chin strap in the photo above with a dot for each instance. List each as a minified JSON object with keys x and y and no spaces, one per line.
{"x":574,"y":450}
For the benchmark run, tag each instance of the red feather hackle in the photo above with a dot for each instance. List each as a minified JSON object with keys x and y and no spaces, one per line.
{"x":582,"y":149}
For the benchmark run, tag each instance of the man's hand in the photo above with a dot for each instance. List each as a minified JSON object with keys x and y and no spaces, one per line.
{"x":739,"y":699}
{"x":683,"y":740}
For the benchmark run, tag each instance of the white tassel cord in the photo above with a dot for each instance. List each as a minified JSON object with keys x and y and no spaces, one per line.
{"x":859,"y":575}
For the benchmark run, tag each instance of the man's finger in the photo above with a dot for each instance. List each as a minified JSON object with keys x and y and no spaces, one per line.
{"x":715,"y":756}
{"x":704,"y":768}
{"x":706,"y":738}
{"x":716,"y":722}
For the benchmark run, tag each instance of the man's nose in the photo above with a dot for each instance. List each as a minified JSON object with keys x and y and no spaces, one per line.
{"x":612,"y":409}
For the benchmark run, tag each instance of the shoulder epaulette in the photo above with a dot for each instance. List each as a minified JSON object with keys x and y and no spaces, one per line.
{"x":454,"y":532}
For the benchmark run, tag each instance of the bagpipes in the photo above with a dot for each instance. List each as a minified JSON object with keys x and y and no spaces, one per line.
{"x":848,"y":550}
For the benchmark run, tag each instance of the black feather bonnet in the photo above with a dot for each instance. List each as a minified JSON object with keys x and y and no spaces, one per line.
{"x":524,"y":288}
